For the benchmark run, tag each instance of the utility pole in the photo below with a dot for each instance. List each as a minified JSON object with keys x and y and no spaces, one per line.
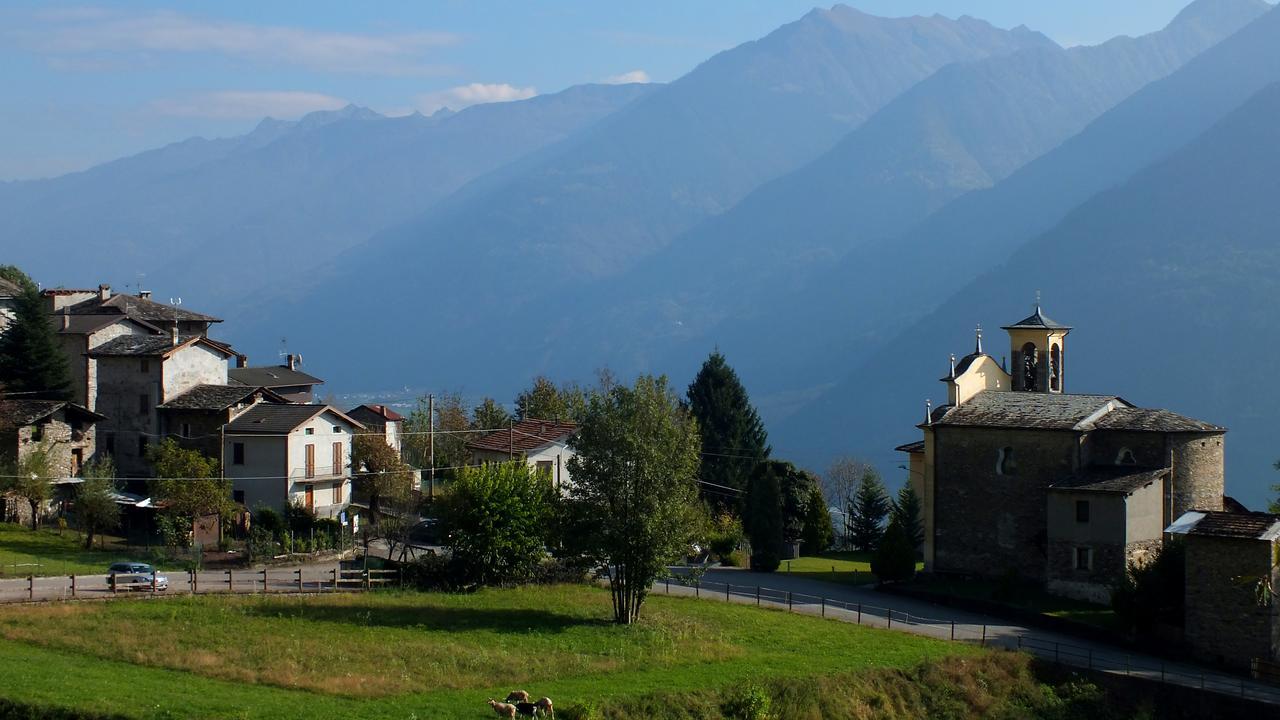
{"x":511,"y":440}
{"x":431,"y":446}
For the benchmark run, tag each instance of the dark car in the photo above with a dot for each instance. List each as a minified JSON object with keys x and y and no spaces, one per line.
{"x":137,"y":576}
{"x":427,"y":532}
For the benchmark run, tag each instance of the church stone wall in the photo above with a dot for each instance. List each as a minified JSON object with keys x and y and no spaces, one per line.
{"x":990,"y":524}
{"x":1103,"y":447}
{"x":1224,"y":620}
{"x":1198,"y":482}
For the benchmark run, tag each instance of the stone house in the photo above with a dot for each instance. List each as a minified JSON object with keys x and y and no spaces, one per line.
{"x":196,"y":417}
{"x":1231,"y":558}
{"x":1016,"y":476}
{"x":282,"y":454}
{"x":137,"y":373}
{"x":286,"y":380}
{"x":65,"y":428}
{"x":138,"y":307}
{"x":543,"y":444}
{"x":78,"y":335}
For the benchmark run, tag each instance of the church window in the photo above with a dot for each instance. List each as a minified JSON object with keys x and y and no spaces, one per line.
{"x":1125,"y":457}
{"x":1084,"y":558}
{"x":1030,"y":375}
{"x":1005,"y":464}
{"x":1055,"y":368}
{"x":1082,"y":511}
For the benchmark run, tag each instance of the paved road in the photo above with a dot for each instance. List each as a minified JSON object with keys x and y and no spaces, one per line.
{"x":866,"y":606}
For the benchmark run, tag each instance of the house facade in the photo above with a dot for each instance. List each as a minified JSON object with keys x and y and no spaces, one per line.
{"x":382,"y":420}
{"x":543,"y":444}
{"x":1019,"y":477}
{"x":66,"y":430}
{"x":290,"y":454}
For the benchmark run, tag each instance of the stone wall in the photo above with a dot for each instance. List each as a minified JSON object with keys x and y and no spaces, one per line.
{"x":991,"y":524}
{"x":1224,"y":621}
{"x":1092,"y":585}
{"x":1198,"y":482}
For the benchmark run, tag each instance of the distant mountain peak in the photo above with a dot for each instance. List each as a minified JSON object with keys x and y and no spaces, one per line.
{"x":325,"y":117}
{"x":1215,"y":12}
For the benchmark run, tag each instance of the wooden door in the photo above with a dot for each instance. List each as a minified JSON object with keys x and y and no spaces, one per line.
{"x":338,"y":458}
{"x":311,"y":461}
{"x":311,"y":497}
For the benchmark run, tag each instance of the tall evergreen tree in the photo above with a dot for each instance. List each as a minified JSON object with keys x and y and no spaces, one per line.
{"x":818,"y":530}
{"x":762,"y":516}
{"x":733,"y":437}
{"x":31,"y":363}
{"x":489,"y":415}
{"x":907,"y":512}
{"x":867,"y":512}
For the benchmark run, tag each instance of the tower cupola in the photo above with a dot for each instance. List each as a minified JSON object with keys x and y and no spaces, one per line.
{"x":1038,"y":346}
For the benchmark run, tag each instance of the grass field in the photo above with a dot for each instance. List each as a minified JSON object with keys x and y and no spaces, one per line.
{"x":48,"y":552}
{"x":402,"y":654}
{"x":846,"y":568}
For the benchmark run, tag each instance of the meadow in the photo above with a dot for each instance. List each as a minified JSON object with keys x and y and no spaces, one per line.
{"x":400,"y":654}
{"x":50,"y":551}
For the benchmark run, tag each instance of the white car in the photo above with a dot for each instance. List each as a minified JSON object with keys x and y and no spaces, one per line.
{"x":137,"y":576}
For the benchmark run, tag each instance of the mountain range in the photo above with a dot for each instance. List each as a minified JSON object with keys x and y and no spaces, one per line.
{"x":834,"y":205}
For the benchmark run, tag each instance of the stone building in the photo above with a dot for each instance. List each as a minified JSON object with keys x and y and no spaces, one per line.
{"x":286,"y":380}
{"x":1232,"y":615}
{"x":1017,"y":476}
{"x":65,"y":429}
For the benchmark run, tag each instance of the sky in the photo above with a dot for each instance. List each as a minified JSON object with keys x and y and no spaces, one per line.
{"x":88,"y":83}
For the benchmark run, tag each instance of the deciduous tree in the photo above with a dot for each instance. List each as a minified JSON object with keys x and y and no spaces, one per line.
{"x":188,"y":482}
{"x":31,"y":477}
{"x":544,"y":400}
{"x":733,"y":437}
{"x":96,"y":508}
{"x":839,"y":485}
{"x":381,"y":476}
{"x":498,"y":518}
{"x":634,"y":495}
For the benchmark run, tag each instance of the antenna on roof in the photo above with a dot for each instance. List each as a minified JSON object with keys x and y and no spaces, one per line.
{"x":284,"y":347}
{"x":175,"y":302}
{"x":137,"y":286}
{"x":1037,"y":300}
{"x":978,"y":331}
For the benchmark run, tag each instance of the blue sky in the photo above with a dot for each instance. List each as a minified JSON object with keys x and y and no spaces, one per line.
{"x":89,"y":83}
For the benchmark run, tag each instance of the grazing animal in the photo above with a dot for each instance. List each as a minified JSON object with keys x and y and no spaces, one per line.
{"x":505,"y":710}
{"x":526,"y":709}
{"x":518,"y":696}
{"x":545,"y":706}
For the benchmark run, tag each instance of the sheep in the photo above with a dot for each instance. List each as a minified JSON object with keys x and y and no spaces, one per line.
{"x":518,"y":696}
{"x":526,"y":709}
{"x":545,"y":706}
{"x":506,"y":710}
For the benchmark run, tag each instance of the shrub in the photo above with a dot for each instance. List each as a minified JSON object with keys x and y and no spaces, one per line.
{"x":552,"y":571}
{"x":766,"y":561}
{"x":579,"y":711}
{"x":737,"y":558}
{"x":269,"y":520}
{"x":752,"y":704}
{"x":1154,"y":591}
{"x":499,"y":518}
{"x":725,"y":536}
{"x":431,"y":572}
{"x":895,"y":558}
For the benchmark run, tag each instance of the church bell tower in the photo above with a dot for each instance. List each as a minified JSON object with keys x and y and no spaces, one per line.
{"x":1038,"y":347}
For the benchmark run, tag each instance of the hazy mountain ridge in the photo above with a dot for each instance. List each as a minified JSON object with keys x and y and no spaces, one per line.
{"x":1169,"y":279}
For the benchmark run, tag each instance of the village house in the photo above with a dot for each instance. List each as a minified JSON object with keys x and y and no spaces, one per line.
{"x":543,"y":444}
{"x":382,"y":420}
{"x":66,"y":430}
{"x":196,"y":417}
{"x":138,"y":307}
{"x":1018,"y":477}
{"x":285,"y":380}
{"x":285,"y":454}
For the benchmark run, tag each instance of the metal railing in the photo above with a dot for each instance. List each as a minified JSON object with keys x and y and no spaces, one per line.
{"x":265,"y":580}
{"x":1105,"y":660}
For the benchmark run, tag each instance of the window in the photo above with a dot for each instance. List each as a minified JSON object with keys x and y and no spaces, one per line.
{"x":1084,"y":558}
{"x":337,"y":493}
{"x":144,"y":365}
{"x":144,"y":403}
{"x":1055,"y":368}
{"x":186,"y":430}
{"x":545,"y":468}
{"x":309,"y":431}
{"x":37,"y":432}
{"x":311,"y":461}
{"x":1005,"y":464}
{"x":337,"y":429}
{"x":337,"y":458}
{"x":1030,"y":370}
{"x":1082,"y":511}
{"x":310,"y":494}
{"x":238,"y":496}
{"x":237,"y":453}
{"x":77,"y":461}
{"x":1125,"y":457}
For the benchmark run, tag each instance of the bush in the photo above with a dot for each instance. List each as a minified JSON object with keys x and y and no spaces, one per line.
{"x":737,"y":558}
{"x":766,"y":561}
{"x":579,"y":711}
{"x":268,"y":519}
{"x":552,"y":571}
{"x":499,"y":518}
{"x":895,"y":558}
{"x":431,"y":572}
{"x":1153,"y":592}
{"x":725,"y":536}
{"x":752,"y":704}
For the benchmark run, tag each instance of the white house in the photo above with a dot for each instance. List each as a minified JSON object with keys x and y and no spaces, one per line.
{"x":544,"y":444}
{"x":380,"y":419}
{"x":282,"y":454}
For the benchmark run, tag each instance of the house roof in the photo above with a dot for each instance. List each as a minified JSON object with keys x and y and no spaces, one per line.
{"x":280,"y":419}
{"x":912,"y":447}
{"x":26,"y":412}
{"x":1045,"y":411}
{"x":376,"y":413}
{"x":964,"y":363}
{"x":524,"y":436}
{"x":152,"y":345}
{"x":216,"y":397}
{"x":89,"y":324}
{"x":140,"y":308}
{"x":1037,"y":321}
{"x":1152,"y":420}
{"x":8,"y":289}
{"x":272,"y":376}
{"x":1245,"y":526}
{"x":1105,"y":479}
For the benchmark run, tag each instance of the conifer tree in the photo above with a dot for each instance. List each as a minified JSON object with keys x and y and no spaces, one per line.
{"x":867,"y":512}
{"x":733,"y":437}
{"x":818,"y":531}
{"x":31,"y":363}
{"x":762,"y":516}
{"x":907,"y":511}
{"x":895,"y":558}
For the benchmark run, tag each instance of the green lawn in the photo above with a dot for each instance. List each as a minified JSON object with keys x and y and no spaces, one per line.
{"x":49,"y":552}
{"x":425,"y":655}
{"x":848,"y":568}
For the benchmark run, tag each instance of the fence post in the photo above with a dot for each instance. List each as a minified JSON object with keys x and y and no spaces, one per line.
{"x":757,"y":596}
{"x":154,"y":574}
{"x":367,"y":584}
{"x":984,"y":635}
{"x":1019,"y":642}
{"x":195,"y":582}
{"x":299,"y":579}
{"x":697,"y":588}
{"x":859,"y":611}
{"x":335,"y":579}
{"x":265,"y":587}
{"x":230,"y":583}
{"x":31,"y":587}
{"x":726,"y":591}
{"x":191,"y":581}
{"x":889,"y":615}
{"x":788,"y":601}
{"x":111,"y":580}
{"x":400,"y":575}
{"x":953,"y":631}
{"x":824,"y":606}
{"x":73,"y":586}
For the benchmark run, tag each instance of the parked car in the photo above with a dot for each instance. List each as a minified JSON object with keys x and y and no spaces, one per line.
{"x":137,"y":576}
{"x":427,"y":532}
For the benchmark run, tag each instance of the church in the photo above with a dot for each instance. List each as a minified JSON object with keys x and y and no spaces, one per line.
{"x":1019,"y":477}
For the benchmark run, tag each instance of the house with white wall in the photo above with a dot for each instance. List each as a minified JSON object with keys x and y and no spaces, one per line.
{"x":543,"y":444}
{"x":290,"y":454}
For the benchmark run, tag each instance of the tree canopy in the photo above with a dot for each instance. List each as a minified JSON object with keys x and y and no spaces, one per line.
{"x":545,"y":400}
{"x":762,"y":515}
{"x":96,"y":508}
{"x":733,"y":437}
{"x":384,"y":480}
{"x":867,"y":512}
{"x":907,"y":511}
{"x":188,"y":481}
{"x":32,"y":365}
{"x":818,"y":532}
{"x":32,"y":474}
{"x":634,"y":499}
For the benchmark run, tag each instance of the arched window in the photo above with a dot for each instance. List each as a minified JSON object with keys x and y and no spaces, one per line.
{"x":1030,"y":374}
{"x":1055,"y":368}
{"x":1005,"y":464}
{"x":1125,"y":457}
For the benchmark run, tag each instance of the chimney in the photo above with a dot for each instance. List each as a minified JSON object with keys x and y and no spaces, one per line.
{"x":104,"y":293}
{"x":174,"y":333}
{"x":144,"y":294}
{"x":66,"y":320}
{"x":242,"y":361}
{"x":293,"y":361}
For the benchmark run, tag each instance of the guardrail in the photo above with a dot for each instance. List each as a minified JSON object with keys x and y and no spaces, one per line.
{"x":265,"y":580}
{"x":998,"y":636}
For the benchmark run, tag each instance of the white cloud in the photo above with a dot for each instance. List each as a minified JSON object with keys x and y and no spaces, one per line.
{"x":84,"y":32}
{"x":248,"y":104}
{"x":474,"y":94}
{"x":635,"y":76}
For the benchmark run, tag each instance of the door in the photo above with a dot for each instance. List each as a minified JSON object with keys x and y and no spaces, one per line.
{"x":311,"y":497}
{"x":338,"y":458}
{"x":311,"y":461}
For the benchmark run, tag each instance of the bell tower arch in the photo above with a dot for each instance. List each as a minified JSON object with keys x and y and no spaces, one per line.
{"x":1038,"y":346}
